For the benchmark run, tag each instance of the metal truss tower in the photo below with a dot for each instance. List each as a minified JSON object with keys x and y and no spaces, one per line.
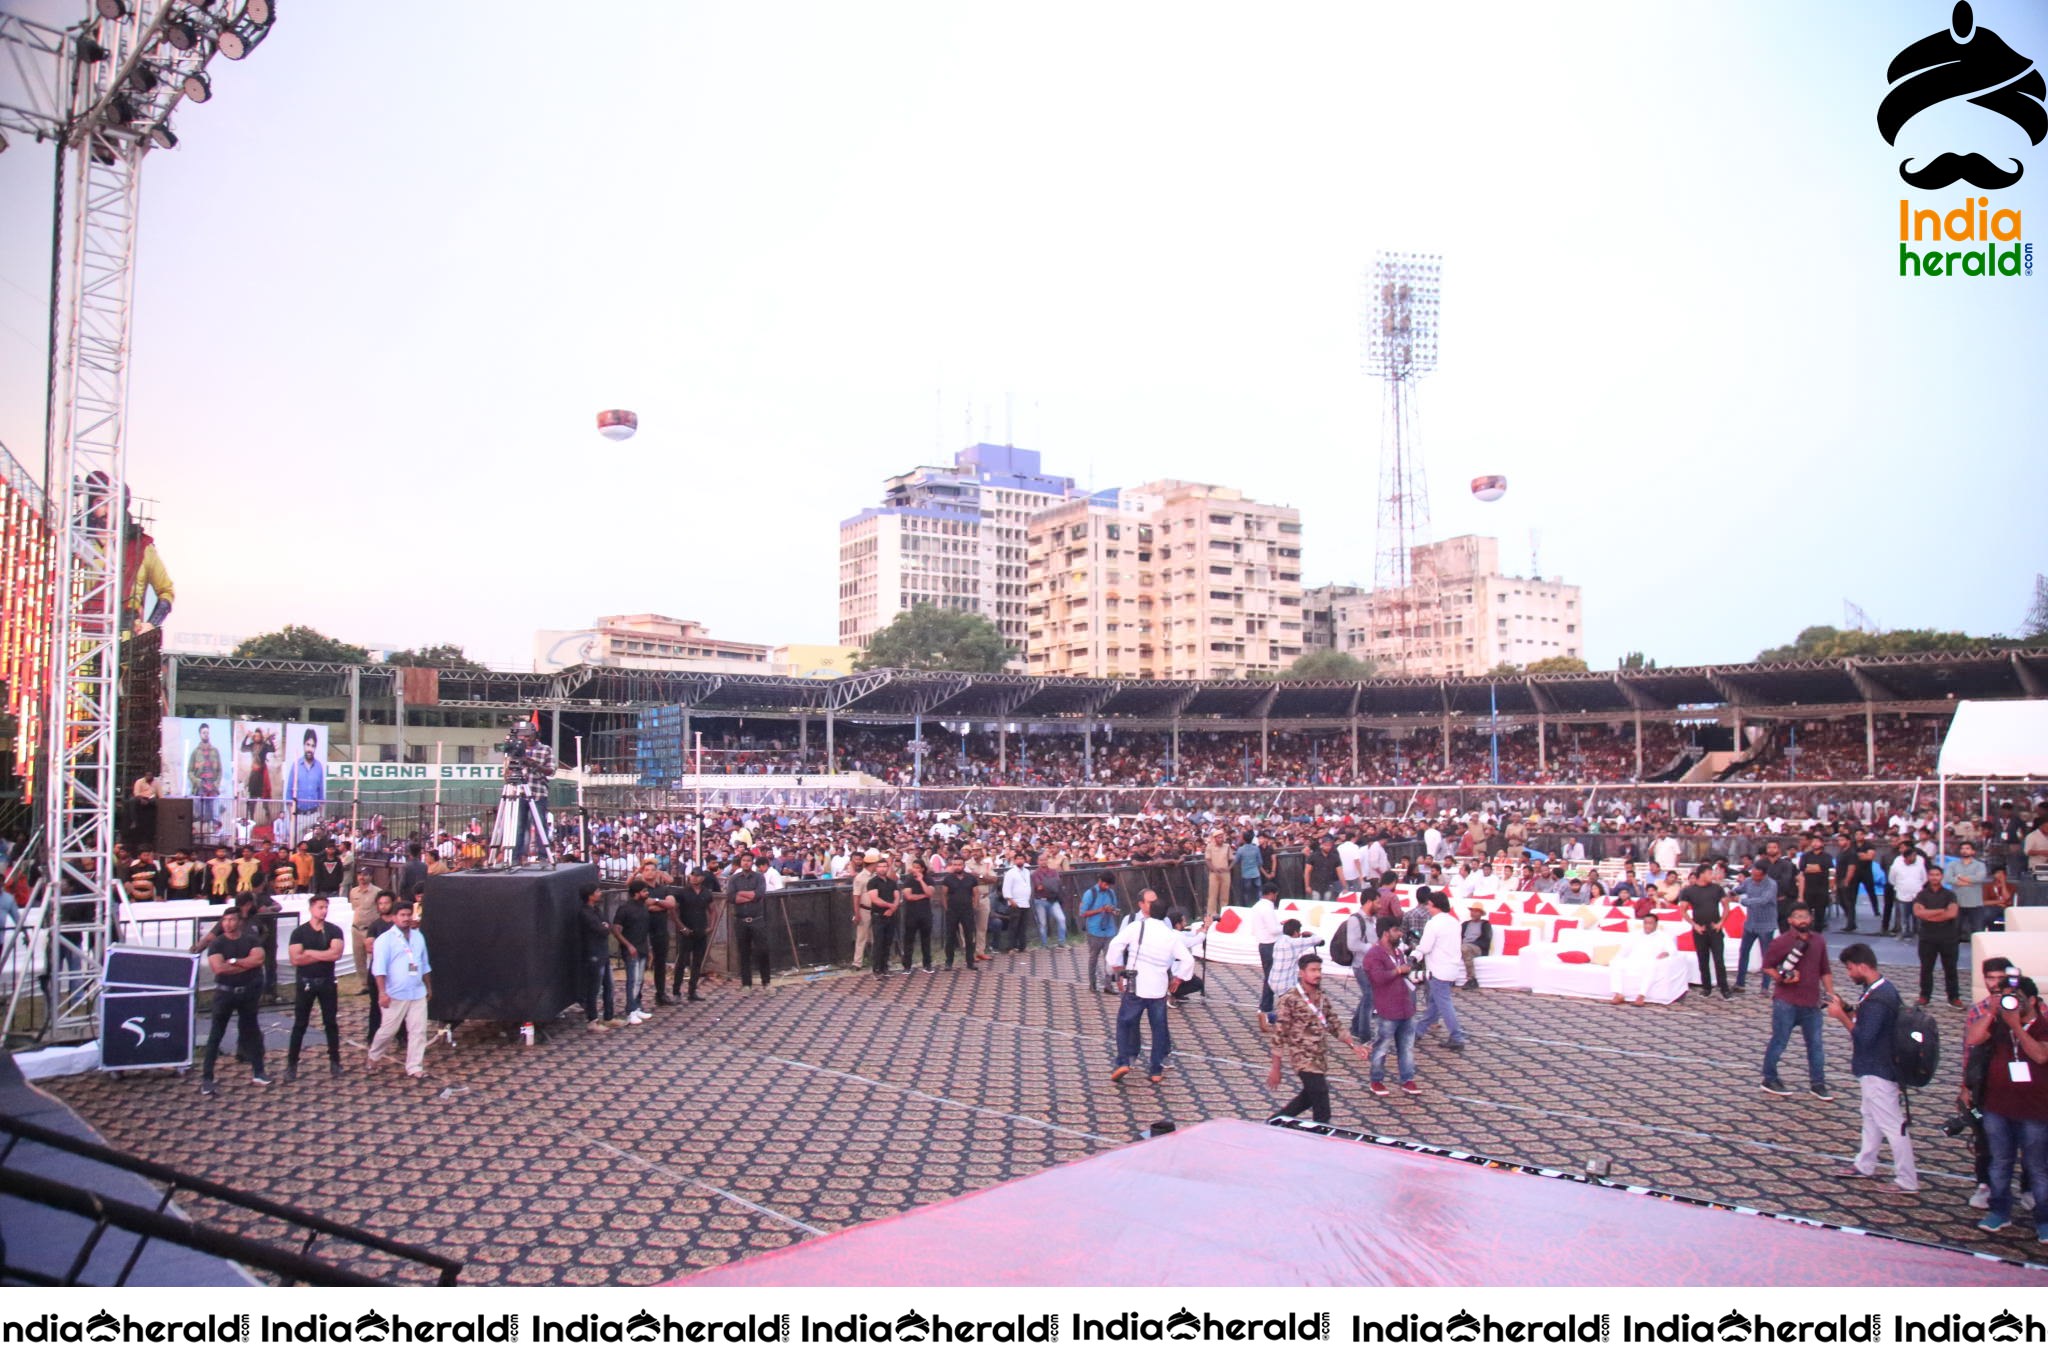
{"x":1400,"y":342}
{"x":102,"y":92}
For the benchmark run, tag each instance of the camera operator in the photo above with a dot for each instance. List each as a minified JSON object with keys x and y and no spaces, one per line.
{"x":1797,"y":964}
{"x":1870,"y":1039}
{"x":2015,"y":1102}
{"x":1146,"y":957}
{"x":315,"y":947}
{"x":1998,"y":978}
{"x":236,"y":960}
{"x":1393,"y":1006}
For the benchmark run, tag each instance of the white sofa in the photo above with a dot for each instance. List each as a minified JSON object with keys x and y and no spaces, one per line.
{"x":1543,"y":974}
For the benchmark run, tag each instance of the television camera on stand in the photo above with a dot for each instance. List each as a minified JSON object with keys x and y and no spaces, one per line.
{"x":519,"y":833}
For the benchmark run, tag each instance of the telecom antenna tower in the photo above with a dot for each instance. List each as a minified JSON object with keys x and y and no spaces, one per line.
{"x":1400,"y":324}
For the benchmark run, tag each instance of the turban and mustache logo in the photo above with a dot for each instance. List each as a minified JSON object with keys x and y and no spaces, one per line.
{"x":1962,"y":64}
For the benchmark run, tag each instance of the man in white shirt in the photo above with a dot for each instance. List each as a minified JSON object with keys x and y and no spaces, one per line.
{"x":1908,"y":878}
{"x":1016,"y":891}
{"x":1350,"y":864}
{"x":1376,"y":861}
{"x":1155,"y":956}
{"x":1664,"y":853}
{"x":1265,"y":926}
{"x":1432,"y":840}
{"x":771,"y":876}
{"x":1482,"y":882}
{"x":1574,"y":849}
{"x":1442,"y":952}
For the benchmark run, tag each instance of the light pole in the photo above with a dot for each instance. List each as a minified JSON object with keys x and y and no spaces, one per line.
{"x":1493,"y":725}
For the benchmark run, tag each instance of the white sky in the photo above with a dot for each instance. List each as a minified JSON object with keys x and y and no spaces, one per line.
{"x":409,"y":250}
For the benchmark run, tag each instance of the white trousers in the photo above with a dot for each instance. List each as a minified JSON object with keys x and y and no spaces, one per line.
{"x":1884,"y":1120}
{"x":410,"y":1015}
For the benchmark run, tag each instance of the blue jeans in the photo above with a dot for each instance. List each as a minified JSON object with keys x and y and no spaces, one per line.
{"x":597,"y":983}
{"x":1761,"y":938}
{"x":1807,"y":1018}
{"x":636,"y":969}
{"x":1440,"y":1007}
{"x":1361,"y":1018}
{"x":1041,"y":911}
{"x":2009,"y":1138}
{"x":1128,"y":1009}
{"x":1397,"y":1036}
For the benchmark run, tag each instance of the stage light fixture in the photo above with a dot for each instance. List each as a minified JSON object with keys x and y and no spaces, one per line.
{"x":144,"y":78}
{"x":121,"y":109}
{"x":250,"y":27}
{"x":103,"y":152}
{"x":181,"y":32}
{"x":163,"y":137}
{"x":90,"y":51}
{"x":112,"y":9}
{"x":197,"y":88}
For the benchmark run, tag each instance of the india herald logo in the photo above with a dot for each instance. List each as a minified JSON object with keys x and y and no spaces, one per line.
{"x":1964,"y":62}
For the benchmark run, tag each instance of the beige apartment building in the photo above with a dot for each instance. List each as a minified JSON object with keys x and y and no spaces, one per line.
{"x":647,"y":640}
{"x":1166,"y":580}
{"x":1461,"y":616}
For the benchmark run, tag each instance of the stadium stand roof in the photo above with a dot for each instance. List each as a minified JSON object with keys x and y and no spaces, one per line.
{"x":1913,"y":682}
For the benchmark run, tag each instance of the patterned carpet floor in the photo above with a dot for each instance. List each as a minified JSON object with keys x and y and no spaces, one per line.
{"x":753,"y":1120}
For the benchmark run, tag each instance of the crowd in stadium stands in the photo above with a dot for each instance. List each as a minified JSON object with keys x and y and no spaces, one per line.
{"x":1839,"y":751}
{"x":1292,"y":758}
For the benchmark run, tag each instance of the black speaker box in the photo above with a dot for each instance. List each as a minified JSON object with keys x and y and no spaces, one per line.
{"x":173,"y":825}
{"x":503,"y":943}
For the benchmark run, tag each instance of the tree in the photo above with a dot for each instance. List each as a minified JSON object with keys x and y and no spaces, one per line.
{"x":1557,"y":663}
{"x":304,"y":644}
{"x":2036,"y":627}
{"x":1634,"y":660}
{"x":1826,"y":642}
{"x":932,"y":637}
{"x":432,"y":656}
{"x":1503,"y":671}
{"x":1329,"y":665}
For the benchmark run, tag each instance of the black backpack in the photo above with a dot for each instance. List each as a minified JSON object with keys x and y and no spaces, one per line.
{"x":1916,"y":1046}
{"x":1340,"y":942}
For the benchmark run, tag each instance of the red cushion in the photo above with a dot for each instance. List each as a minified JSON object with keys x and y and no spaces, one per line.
{"x":1513,"y":941}
{"x":1614,"y":926}
{"x":1574,"y":956}
{"x":1229,"y":921}
{"x":1733,"y":923}
{"x":1534,"y":905}
{"x":1500,"y":917}
{"x":1669,"y":915}
{"x":1685,"y":942}
{"x":1348,"y":898}
{"x":1546,"y":910}
{"x":1482,"y":896}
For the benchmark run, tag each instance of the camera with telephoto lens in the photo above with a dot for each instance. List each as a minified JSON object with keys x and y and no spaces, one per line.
{"x":2009,"y":1001}
{"x":1966,"y":1121}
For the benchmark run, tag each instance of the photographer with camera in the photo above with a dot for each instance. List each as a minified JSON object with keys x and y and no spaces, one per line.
{"x":1969,"y":1116}
{"x":1797,"y":964}
{"x":2015,"y":1100}
{"x":1393,"y":1004}
{"x":1145,"y":958}
{"x":1870,"y":1023}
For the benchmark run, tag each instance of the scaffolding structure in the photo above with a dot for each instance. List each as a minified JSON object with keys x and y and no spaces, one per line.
{"x":1403,"y":291}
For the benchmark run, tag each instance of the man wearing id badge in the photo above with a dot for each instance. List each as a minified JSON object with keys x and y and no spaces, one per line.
{"x":2015,"y":1099}
{"x":403,"y":972}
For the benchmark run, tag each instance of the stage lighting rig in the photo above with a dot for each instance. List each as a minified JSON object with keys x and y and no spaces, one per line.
{"x":103,"y":91}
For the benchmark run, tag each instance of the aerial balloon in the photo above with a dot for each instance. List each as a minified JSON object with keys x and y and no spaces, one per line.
{"x":1489,"y":487}
{"x":617,"y":424}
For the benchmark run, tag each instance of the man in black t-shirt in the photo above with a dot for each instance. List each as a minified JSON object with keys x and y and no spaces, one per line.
{"x":594,"y":933}
{"x":1816,"y":880}
{"x":315,"y":947}
{"x":693,"y":929}
{"x":1855,"y":873}
{"x":1941,"y":934}
{"x":958,"y":886}
{"x":236,"y":960}
{"x":882,"y":908}
{"x":629,"y":928}
{"x":1702,"y":900}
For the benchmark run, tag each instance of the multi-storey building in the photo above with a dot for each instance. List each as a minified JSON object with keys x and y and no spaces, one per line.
{"x":646,"y":640}
{"x":950,"y":535}
{"x":1166,"y":580}
{"x":1460,"y":616}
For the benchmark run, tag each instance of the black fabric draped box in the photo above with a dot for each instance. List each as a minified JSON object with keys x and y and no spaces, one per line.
{"x":504,"y":942}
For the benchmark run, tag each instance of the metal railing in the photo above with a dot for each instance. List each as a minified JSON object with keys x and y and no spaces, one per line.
{"x":160,"y":1224}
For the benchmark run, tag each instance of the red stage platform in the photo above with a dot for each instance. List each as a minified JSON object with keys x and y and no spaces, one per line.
{"x":1236,"y":1204}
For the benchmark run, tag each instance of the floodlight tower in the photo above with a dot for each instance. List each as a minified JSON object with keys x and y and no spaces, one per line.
{"x":1400,"y":323}
{"x":102,"y":91}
